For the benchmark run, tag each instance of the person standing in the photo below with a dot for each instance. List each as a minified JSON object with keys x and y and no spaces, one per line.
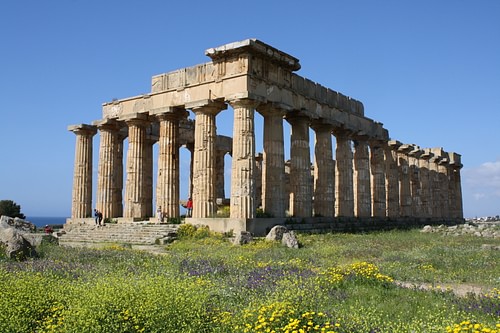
{"x":96,"y":215}
{"x":189,"y":207}
{"x":159,"y":214}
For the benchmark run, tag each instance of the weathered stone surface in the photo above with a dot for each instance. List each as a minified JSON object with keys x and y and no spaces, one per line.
{"x":20,"y":224}
{"x":16,"y":246}
{"x":290,"y":240}
{"x":276,"y":233}
{"x":486,"y":230}
{"x":243,"y":237}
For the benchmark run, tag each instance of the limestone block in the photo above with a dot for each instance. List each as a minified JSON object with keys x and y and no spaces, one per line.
{"x":276,"y":233}
{"x":290,"y":240}
{"x":243,"y":237}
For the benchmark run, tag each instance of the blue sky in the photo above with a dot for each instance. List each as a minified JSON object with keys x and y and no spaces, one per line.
{"x":429,"y":70}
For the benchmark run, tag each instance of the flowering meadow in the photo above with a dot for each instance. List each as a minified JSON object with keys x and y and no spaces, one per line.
{"x":203,"y":283}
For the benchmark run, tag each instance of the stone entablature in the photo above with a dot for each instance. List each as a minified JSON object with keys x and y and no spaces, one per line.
{"x":371,"y":176}
{"x":243,"y":70}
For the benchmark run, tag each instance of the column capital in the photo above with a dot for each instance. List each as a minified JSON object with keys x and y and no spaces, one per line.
{"x":416,"y":152}
{"x":404,"y":148}
{"x":342,"y":132}
{"x":297,"y":117}
{"x":273,"y":109}
{"x":394,"y":144}
{"x":169,"y":112}
{"x":207,"y":106}
{"x":321,"y":126}
{"x":83,"y":129}
{"x":376,"y":143}
{"x":455,"y":160}
{"x":139,"y":119}
{"x":243,"y":102}
{"x":107,"y":124}
{"x":426,"y":154}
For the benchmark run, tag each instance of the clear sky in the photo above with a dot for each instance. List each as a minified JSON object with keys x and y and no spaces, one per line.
{"x":429,"y":70}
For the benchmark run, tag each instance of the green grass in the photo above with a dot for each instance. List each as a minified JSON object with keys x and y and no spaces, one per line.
{"x":333,"y":283}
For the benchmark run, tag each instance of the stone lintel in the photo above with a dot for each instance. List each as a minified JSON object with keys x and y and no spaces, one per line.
{"x":256,"y":47}
{"x":82,"y":128}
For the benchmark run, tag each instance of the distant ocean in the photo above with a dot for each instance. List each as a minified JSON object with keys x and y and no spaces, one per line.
{"x":42,"y":221}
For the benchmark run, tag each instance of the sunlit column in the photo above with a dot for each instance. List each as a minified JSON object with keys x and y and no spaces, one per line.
{"x":81,"y":204}
{"x":135,"y":200}
{"x":167,"y":182}
{"x":243,"y":162}
{"x":425,"y":183}
{"x":300,"y":168}
{"x":109,"y":180}
{"x":273,"y":161}
{"x":204,"y":201}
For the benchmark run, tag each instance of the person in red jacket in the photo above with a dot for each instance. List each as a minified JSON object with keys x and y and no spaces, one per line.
{"x":189,"y":207}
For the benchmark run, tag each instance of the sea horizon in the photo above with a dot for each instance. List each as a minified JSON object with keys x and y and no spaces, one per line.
{"x":41,"y":221}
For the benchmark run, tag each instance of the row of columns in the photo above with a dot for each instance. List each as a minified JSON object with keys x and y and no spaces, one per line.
{"x":369,"y":178}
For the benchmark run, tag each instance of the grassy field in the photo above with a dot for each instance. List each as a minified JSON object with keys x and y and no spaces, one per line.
{"x":333,"y":283}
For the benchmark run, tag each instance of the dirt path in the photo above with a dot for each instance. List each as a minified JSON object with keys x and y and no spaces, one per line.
{"x":458,"y":289}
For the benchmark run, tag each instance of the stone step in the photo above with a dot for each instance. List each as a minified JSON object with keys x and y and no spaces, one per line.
{"x":130,"y":233}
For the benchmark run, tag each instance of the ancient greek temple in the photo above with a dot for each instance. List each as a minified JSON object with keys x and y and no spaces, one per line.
{"x":371,"y":176}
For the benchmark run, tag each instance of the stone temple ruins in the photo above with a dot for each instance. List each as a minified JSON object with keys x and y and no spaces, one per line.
{"x":372,"y":178}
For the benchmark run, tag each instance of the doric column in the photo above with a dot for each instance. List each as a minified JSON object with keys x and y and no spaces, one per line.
{"x":190,"y":147}
{"x":344,"y":192}
{"x":405,"y":201}
{"x":118,"y":195}
{"x":243,"y":163}
{"x":135,"y":201}
{"x":148,"y":173}
{"x":273,"y":161}
{"x":434,"y":182}
{"x":456,"y":209}
{"x":300,"y":168}
{"x":444,"y":183}
{"x":204,"y":201}
{"x":362,"y":188}
{"x":109,"y":183}
{"x":167,"y":182}
{"x":425,"y":183}
{"x":392,"y":178}
{"x":81,"y":204}
{"x":324,"y":172}
{"x":377,"y":168}
{"x":415,"y":181}
{"x":219,"y":174}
